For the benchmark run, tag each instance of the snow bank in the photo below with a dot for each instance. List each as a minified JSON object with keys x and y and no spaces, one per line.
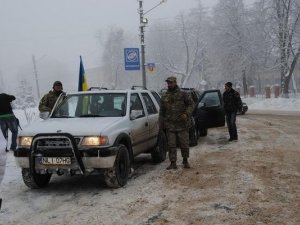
{"x":282,"y":104}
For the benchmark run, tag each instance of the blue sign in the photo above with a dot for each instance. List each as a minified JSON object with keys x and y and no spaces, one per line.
{"x":132,"y":58}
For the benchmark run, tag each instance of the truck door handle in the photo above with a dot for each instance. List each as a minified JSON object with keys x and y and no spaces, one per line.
{"x":146,"y":124}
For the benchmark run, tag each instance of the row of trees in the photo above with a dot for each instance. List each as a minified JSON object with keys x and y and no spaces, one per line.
{"x":260,"y":42}
{"x":24,"y":94}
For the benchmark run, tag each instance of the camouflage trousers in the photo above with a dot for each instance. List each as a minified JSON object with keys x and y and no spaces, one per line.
{"x":181,"y":138}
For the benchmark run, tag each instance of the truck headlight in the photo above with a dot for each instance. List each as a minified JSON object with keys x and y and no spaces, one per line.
{"x":94,"y":141}
{"x":24,"y":141}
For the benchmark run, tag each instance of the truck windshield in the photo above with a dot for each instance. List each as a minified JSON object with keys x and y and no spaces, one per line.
{"x":92,"y":105}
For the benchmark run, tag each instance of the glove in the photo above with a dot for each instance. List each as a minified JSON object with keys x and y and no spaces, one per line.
{"x":184,"y":116}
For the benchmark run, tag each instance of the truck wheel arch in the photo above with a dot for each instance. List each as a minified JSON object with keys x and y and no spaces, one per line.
{"x":124,"y":139}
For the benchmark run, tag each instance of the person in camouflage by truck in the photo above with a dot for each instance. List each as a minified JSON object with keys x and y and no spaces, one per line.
{"x":48,"y":101}
{"x":175,"y":118}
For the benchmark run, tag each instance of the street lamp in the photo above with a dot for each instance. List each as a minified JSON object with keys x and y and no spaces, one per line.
{"x":143,"y":23}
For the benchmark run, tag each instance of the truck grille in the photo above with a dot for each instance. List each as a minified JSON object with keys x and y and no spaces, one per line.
{"x":55,"y":143}
{"x":58,"y":146}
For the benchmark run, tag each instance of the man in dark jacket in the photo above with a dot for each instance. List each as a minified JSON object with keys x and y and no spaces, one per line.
{"x":48,"y":101}
{"x":232,"y":103}
{"x":8,"y":119}
{"x":175,"y":117}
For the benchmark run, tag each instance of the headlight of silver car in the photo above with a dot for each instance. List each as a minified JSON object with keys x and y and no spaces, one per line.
{"x":94,"y":141}
{"x":24,"y":141}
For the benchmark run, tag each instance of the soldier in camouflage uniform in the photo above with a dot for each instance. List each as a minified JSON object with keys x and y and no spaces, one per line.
{"x":232,"y":103}
{"x":48,"y":100}
{"x":174,"y":117}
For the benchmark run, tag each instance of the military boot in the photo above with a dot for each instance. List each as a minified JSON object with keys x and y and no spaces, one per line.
{"x":186,"y":163}
{"x":172,"y":166}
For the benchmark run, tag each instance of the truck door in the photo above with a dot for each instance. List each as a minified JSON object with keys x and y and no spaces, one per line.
{"x":152,"y":113}
{"x":139,"y":125}
{"x":210,"y":108}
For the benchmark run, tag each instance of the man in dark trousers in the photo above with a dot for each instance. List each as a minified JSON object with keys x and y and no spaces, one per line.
{"x":175,"y":118}
{"x":8,"y":119}
{"x":232,"y":103}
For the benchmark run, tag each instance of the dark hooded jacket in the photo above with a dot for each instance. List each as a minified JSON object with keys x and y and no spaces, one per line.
{"x":5,"y":106}
{"x":232,"y":101}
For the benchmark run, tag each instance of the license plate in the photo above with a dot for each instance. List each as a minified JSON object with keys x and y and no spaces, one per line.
{"x":56,"y":160}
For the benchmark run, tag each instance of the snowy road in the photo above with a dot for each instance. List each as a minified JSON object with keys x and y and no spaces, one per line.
{"x":253,"y":181}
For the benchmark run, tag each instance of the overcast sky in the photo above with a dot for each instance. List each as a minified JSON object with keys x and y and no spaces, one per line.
{"x":62,"y":30}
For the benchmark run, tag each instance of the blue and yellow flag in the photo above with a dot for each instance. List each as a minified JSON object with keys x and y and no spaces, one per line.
{"x":82,"y":84}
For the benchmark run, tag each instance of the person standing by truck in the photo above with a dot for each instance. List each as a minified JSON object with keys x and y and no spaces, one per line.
{"x":232,"y":103}
{"x":8,"y":121}
{"x":48,"y":101}
{"x":174,"y":117}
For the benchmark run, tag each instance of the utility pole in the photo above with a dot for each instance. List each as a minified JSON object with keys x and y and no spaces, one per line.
{"x":36,"y":77}
{"x":143,"y":23}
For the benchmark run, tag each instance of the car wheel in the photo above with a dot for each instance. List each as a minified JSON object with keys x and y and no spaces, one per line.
{"x":118,"y":175}
{"x":193,"y":136}
{"x":34,"y":180}
{"x":203,"y":132}
{"x":159,"y":152}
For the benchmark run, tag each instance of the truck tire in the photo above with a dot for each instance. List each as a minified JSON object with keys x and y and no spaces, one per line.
{"x":203,"y":132}
{"x":159,"y":152}
{"x":35,"y":181}
{"x":118,"y":175}
{"x":193,"y":136}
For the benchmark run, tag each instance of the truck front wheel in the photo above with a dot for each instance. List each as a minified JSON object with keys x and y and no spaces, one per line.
{"x":118,"y":175}
{"x":35,"y":181}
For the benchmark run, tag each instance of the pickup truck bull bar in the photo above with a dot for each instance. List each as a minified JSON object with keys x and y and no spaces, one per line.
{"x":72,"y":145}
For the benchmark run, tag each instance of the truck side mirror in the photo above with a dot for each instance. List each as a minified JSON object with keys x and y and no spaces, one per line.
{"x":44,"y":115}
{"x":201,"y":105}
{"x":134,"y":114}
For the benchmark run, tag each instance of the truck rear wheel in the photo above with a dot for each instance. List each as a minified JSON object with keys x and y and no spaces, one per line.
{"x":203,"y":132}
{"x":118,"y":175}
{"x":193,"y":136}
{"x":35,"y":181}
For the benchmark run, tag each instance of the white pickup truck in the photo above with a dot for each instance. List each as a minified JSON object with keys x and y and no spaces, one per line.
{"x":92,"y":132}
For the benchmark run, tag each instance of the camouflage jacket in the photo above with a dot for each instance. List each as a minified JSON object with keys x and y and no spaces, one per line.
{"x":48,"y":101}
{"x":232,"y":101}
{"x":176,"y":110}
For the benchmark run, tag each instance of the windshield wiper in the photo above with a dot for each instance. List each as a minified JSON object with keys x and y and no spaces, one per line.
{"x":90,"y":115}
{"x":62,"y":116}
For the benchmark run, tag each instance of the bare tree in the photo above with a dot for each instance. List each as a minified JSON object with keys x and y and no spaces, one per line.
{"x":180,"y":47}
{"x":113,"y":54}
{"x":261,"y":44}
{"x":286,"y":18}
{"x":230,"y":39}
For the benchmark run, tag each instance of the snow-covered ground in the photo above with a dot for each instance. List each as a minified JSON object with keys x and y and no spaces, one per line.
{"x":133,"y":195}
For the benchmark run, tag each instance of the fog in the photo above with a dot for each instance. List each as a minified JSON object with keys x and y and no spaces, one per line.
{"x":57,"y":32}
